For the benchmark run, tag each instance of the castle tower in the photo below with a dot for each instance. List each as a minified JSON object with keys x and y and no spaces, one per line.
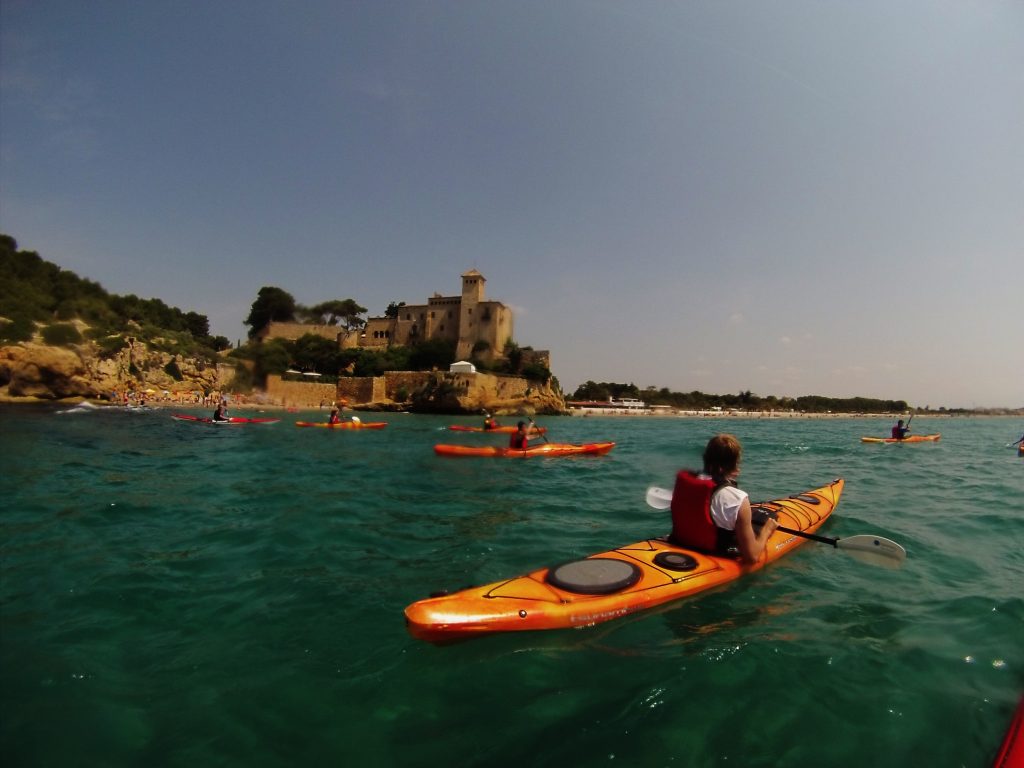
{"x":469,"y":313}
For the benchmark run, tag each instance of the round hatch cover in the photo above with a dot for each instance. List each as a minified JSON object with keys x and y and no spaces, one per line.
{"x":675,"y":561}
{"x":594,"y":576}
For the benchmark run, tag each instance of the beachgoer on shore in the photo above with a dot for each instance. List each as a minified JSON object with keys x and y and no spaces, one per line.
{"x":519,"y":440}
{"x":710,"y":514}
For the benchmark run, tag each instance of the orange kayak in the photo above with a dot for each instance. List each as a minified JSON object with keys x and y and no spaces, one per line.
{"x":540,"y":449}
{"x":908,"y":439}
{"x":610,"y":584}
{"x":344,"y":424}
{"x":505,"y":430}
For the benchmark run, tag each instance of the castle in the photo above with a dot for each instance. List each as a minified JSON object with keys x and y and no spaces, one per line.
{"x":479,"y":328}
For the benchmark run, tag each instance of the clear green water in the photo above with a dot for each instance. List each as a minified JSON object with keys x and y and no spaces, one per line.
{"x":182,"y":595}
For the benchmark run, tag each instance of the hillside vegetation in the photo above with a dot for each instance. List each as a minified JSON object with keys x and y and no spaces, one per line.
{"x":37,"y":296}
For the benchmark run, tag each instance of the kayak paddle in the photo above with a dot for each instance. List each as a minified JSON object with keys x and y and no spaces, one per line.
{"x":876,"y":550}
{"x":533,"y":427}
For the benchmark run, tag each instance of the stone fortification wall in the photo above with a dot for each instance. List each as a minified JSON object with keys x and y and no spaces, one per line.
{"x":426,"y":391}
{"x":409,"y":381}
{"x":293,"y":331}
{"x":299,"y":393}
{"x":361,"y":389}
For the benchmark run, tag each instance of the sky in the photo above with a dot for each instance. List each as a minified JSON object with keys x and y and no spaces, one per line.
{"x":790,"y":198}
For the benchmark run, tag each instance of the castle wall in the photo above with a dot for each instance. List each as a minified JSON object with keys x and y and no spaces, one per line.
{"x":410,"y":381}
{"x":301,"y":394}
{"x":294,"y":331}
{"x":361,"y":389}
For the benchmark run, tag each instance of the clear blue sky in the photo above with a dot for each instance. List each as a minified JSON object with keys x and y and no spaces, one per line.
{"x":785,"y":197}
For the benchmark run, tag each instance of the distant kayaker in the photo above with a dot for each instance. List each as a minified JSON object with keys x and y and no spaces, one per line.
{"x":519,"y":441}
{"x":710,"y":513}
{"x":490,"y":422}
{"x":221,"y":414}
{"x":899,"y":432}
{"x":334,"y":418}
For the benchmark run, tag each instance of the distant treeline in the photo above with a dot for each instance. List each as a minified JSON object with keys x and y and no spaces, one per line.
{"x":744,"y":401}
{"x":37,"y":296}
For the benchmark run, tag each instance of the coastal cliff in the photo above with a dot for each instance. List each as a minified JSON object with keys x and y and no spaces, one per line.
{"x":33,"y":370}
{"x":45,"y":372}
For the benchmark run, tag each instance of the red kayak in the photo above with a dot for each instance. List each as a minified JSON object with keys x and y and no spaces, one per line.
{"x":505,"y":430}
{"x":228,"y":422}
{"x":344,"y":424}
{"x":1011,"y":754}
{"x":541,"y":449}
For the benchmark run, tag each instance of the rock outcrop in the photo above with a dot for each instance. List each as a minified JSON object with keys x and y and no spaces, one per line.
{"x":46,"y":372}
{"x":36,"y":370}
{"x":476,"y":392}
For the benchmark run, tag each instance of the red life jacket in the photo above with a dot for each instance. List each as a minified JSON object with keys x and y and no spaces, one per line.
{"x":692,"y":525}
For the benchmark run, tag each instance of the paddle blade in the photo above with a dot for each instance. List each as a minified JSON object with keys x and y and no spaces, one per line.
{"x":659,"y":498}
{"x":875,"y":550}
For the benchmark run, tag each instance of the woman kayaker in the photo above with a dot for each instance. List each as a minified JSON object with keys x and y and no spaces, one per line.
{"x":899,"y":431}
{"x":710,"y":513}
{"x":334,"y":417}
{"x":519,"y":440}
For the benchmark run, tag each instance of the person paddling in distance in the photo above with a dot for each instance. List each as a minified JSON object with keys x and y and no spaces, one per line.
{"x":334,"y":418}
{"x":519,"y":441}
{"x":490,"y":422}
{"x":710,"y":513}
{"x":899,"y":432}
{"x":221,"y":414}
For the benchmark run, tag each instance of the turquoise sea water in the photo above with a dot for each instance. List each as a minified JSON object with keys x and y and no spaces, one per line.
{"x":181,"y":595}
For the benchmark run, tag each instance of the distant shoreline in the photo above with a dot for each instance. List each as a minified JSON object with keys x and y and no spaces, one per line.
{"x":681,"y":414}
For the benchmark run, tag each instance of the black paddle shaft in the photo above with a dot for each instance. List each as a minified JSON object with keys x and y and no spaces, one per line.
{"x":759,"y":514}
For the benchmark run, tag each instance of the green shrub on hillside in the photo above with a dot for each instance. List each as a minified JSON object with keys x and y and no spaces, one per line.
{"x":18,"y":329}
{"x":109,"y":345}
{"x":61,"y":335}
